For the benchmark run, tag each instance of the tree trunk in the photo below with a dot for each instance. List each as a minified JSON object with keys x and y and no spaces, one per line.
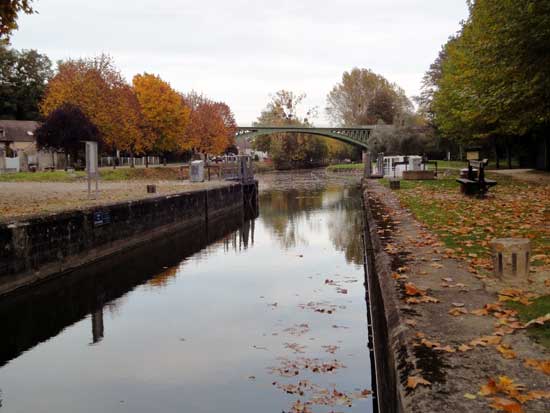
{"x":509,"y":152}
{"x":132,"y":165}
{"x":146,"y":161}
{"x":66,"y":161}
{"x":495,"y":147}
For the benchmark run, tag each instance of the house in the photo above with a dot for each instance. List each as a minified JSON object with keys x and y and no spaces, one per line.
{"x":18,"y":148}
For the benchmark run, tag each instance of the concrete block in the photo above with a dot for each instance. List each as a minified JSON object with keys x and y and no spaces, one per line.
{"x":395,"y":183}
{"x":511,"y":257}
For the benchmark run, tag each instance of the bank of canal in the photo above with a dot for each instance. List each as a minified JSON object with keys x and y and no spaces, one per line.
{"x":229,"y":318}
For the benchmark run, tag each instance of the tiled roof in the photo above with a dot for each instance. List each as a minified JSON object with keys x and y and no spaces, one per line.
{"x":18,"y":130}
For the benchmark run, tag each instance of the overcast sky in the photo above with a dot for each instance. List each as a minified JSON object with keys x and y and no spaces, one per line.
{"x":241,"y":51}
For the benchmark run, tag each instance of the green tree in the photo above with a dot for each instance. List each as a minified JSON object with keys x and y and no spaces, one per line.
{"x":495,"y":75}
{"x":9,"y":10}
{"x":23,"y":79}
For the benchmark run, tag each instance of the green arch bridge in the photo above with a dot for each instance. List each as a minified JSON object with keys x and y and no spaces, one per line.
{"x":356,"y":135}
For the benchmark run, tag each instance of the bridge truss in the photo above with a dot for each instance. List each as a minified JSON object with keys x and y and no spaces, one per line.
{"x":357,"y":135}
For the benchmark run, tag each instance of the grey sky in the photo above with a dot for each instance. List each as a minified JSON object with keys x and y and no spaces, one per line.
{"x":241,"y":51}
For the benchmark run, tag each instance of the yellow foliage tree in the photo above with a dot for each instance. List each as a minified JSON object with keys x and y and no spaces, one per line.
{"x":164,"y":113}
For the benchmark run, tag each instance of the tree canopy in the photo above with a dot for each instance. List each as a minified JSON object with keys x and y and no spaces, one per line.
{"x":366,"y":98}
{"x":165,"y":114}
{"x":212,"y":126}
{"x":9,"y":10}
{"x":290,"y":149}
{"x":23,"y":79}
{"x":66,"y":128}
{"x":493,"y":78}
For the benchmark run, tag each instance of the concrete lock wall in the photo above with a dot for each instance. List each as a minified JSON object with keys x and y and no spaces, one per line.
{"x":45,"y":246}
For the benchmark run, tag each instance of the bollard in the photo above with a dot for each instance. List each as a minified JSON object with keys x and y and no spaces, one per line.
{"x":367,"y":162}
{"x":395,"y":183}
{"x":511,"y":257}
{"x":151,"y":189}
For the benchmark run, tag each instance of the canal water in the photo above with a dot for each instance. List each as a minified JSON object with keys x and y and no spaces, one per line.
{"x":249,"y":315}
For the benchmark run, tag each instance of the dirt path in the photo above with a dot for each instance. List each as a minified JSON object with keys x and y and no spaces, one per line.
{"x":529,"y":175}
{"x":18,"y":199}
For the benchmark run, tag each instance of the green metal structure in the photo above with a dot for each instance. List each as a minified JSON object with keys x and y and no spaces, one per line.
{"x":357,"y":135}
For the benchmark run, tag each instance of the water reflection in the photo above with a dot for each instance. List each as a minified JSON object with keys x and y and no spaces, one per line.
{"x":35,"y":315}
{"x":284,"y":211}
{"x":194,"y":323}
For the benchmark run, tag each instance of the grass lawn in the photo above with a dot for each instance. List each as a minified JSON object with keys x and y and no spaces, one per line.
{"x":540,"y":307}
{"x":119,"y":174}
{"x":345,"y":167}
{"x":465,"y":225}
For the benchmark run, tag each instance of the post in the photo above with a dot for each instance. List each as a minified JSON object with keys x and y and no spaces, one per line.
{"x":98,"y":329}
{"x":2,"y":160}
{"x":367,"y":162}
{"x":380,"y":164}
{"x":92,"y":169}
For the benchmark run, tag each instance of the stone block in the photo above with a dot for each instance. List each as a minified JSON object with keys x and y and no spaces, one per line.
{"x":511,"y":257}
{"x":395,"y":183}
{"x":418,"y":175}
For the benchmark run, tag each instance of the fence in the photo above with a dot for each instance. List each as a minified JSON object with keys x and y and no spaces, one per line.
{"x":127,"y":161}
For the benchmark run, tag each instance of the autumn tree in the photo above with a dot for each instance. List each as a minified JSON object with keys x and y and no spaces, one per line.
{"x":66,"y":128}
{"x":212,"y":126}
{"x":9,"y":10}
{"x":289,"y":150}
{"x":23,"y":78}
{"x":95,"y":86}
{"x":366,"y":98}
{"x":165,"y":114}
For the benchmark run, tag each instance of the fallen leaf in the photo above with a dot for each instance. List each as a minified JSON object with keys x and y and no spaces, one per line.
{"x":510,"y":406}
{"x":413,"y":290}
{"x":457,"y":311}
{"x":470,"y":396}
{"x":540,"y":320}
{"x":464,"y":347}
{"x":542,"y":365}
{"x":447,"y":349}
{"x":506,"y":351}
{"x":414,"y":381}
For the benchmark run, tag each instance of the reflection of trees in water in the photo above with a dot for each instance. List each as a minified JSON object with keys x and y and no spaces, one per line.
{"x":282,"y":211}
{"x":345,"y":226}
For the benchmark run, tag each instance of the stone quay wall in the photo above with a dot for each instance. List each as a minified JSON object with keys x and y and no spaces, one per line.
{"x":42,"y":247}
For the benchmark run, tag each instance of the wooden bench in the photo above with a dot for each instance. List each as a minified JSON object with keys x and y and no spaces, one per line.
{"x":475,"y":183}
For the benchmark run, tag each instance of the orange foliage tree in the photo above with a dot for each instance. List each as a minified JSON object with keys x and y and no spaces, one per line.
{"x":96,"y":87}
{"x":165,"y":115}
{"x":212,"y":125}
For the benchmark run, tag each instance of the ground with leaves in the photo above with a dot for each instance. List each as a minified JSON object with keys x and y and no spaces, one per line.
{"x":22,"y":199}
{"x":458,"y":330}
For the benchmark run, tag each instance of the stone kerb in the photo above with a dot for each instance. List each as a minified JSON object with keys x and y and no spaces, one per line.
{"x":418,"y":175}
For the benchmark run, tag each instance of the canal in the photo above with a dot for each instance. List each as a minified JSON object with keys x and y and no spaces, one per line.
{"x":263,"y":314}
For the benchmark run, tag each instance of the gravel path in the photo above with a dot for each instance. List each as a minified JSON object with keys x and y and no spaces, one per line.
{"x":19,"y":199}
